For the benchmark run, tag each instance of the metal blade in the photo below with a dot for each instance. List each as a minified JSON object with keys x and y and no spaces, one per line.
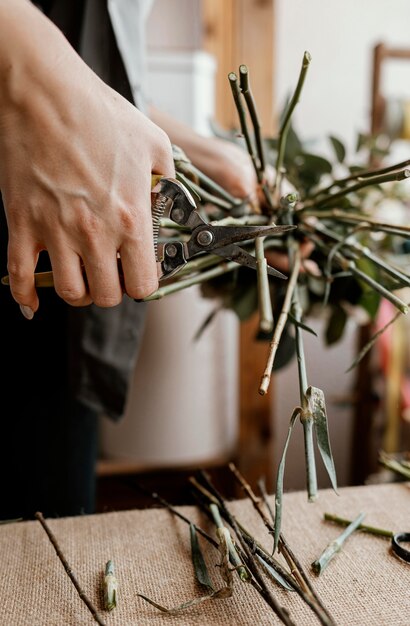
{"x":239,"y":255}
{"x":226,"y":235}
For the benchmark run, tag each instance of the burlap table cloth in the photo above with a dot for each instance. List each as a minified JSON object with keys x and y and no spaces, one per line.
{"x":364,"y":584}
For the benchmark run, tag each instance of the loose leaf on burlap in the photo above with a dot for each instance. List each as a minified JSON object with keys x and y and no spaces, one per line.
{"x":274,"y":574}
{"x":198,"y":561}
{"x":223,"y":592}
{"x":279,"y":481}
{"x":317,"y":407}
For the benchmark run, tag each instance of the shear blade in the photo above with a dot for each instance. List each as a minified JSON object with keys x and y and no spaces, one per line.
{"x":226,"y":235}
{"x":237,"y":254}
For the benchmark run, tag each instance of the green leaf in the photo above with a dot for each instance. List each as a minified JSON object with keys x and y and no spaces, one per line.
{"x":369,"y":299}
{"x":279,"y":481}
{"x":208,"y":319}
{"x":314,"y":163}
{"x":198,"y":561}
{"x":301,"y":325}
{"x":338,"y":147}
{"x":316,"y":400}
{"x":336,"y":325}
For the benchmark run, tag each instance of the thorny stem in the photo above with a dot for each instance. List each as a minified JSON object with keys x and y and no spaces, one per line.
{"x":359,"y":175}
{"x":349,"y":265}
{"x":343,"y":216}
{"x":284,"y":129}
{"x":69,"y":571}
{"x":281,"y":323}
{"x":358,"y":250}
{"x":373,"y":180}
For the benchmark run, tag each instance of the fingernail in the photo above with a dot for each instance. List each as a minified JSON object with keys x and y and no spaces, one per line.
{"x":27,"y":312}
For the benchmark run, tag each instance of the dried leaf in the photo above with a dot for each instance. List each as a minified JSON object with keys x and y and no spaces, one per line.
{"x":224,"y":592}
{"x":186,"y":605}
{"x":200,"y":568}
{"x":317,"y":406}
{"x":274,"y":574}
{"x":279,"y":481}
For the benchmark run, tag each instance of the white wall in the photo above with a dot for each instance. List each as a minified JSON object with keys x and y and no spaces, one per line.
{"x":340,"y":36}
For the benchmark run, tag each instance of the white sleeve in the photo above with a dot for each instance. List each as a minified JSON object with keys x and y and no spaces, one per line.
{"x":128,"y":18}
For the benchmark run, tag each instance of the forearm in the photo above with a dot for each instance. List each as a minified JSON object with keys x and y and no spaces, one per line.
{"x":32,"y":50}
{"x":179,"y":133}
{"x":227,"y":164}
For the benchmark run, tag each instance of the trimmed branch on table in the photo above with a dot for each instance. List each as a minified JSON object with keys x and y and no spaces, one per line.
{"x":39,"y":516}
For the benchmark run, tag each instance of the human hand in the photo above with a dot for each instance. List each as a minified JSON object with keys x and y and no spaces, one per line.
{"x":75,"y":174}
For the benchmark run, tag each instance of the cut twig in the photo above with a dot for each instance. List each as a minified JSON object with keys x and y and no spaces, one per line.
{"x":237,"y":97}
{"x":335,"y":546}
{"x":69,"y":571}
{"x":110,"y":587}
{"x":378,"y":179}
{"x":284,"y":129}
{"x":371,"y":530}
{"x":340,"y":182}
{"x":280,"y":324}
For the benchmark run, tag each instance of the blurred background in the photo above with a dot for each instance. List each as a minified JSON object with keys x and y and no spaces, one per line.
{"x":196,"y":403}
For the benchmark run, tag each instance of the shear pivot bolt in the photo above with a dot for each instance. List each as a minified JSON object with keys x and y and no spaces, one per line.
{"x":204,"y":238}
{"x":177,"y":215}
{"x":171,"y":250}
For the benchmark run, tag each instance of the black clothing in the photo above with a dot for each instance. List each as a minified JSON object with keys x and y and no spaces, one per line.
{"x":67,"y":365}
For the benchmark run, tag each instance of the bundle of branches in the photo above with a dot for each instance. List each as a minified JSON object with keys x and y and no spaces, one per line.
{"x":242,"y":558}
{"x":349,"y":250}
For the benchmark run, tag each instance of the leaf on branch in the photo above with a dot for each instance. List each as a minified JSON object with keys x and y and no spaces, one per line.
{"x":301,"y":324}
{"x":208,"y":319}
{"x":338,"y":147}
{"x":317,"y":406}
{"x":336,"y":325}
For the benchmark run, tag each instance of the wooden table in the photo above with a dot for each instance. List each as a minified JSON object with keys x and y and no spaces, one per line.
{"x":364,"y":584}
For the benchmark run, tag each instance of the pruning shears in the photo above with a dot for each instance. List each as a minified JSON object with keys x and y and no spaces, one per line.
{"x":171,"y":199}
